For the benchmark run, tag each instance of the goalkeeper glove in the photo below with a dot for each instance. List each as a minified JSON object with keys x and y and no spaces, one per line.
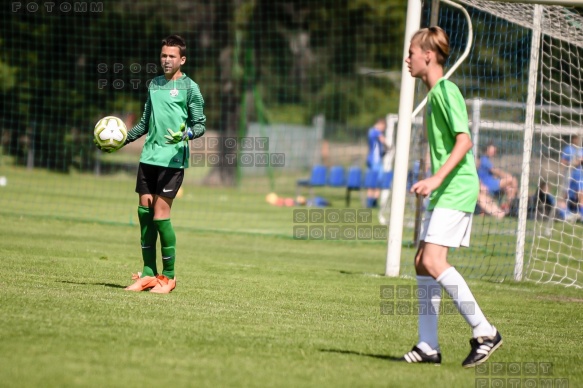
{"x":102,"y":149}
{"x":183,"y":134}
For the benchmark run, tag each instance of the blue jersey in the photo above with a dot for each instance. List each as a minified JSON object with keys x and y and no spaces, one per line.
{"x":572,"y":154}
{"x":486,"y":176}
{"x":485,"y":168}
{"x":576,"y":182}
{"x":375,"y":148}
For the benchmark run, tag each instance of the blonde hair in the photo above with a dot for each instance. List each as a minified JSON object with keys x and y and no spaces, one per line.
{"x":434,"y":39}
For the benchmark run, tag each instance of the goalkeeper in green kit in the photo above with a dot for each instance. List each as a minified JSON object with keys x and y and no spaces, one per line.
{"x":173,"y":115}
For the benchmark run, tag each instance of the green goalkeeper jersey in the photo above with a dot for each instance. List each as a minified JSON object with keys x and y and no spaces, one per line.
{"x":447,"y":117}
{"x":169,"y":104}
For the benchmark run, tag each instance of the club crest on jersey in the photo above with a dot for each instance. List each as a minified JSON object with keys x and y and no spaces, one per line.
{"x":174,"y":93}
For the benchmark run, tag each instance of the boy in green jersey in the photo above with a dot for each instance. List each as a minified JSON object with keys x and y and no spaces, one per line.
{"x":453,"y":192}
{"x":172,"y":116}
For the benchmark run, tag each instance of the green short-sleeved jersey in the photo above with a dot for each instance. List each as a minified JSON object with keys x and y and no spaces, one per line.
{"x":446,"y":117}
{"x":169,"y":104}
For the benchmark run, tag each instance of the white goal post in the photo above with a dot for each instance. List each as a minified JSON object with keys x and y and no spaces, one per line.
{"x":525,"y":59}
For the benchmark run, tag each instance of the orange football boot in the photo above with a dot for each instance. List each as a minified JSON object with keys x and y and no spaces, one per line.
{"x":164,"y":285}
{"x":142,"y":283}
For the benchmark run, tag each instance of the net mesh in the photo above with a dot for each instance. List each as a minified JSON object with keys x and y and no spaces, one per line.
{"x":557,"y":249}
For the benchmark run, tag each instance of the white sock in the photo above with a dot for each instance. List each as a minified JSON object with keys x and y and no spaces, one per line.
{"x":426,"y":348}
{"x":429,"y":298}
{"x":457,"y":288}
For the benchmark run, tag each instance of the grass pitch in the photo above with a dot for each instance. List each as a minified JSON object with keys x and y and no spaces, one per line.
{"x":253,"y":306}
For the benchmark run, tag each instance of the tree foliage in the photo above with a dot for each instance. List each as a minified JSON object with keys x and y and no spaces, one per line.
{"x":61,"y":71}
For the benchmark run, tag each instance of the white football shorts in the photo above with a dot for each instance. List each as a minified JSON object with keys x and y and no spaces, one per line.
{"x":446,"y":227}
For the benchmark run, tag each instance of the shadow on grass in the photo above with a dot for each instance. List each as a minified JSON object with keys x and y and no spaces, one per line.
{"x":351,"y":352}
{"x":343,"y":272}
{"x":350,"y":272}
{"x":93,"y":284}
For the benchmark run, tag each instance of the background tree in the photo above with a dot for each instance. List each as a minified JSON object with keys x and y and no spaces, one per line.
{"x":61,"y":71}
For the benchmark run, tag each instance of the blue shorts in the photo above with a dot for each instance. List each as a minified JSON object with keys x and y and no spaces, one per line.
{"x":376,"y":170}
{"x":493,"y":184}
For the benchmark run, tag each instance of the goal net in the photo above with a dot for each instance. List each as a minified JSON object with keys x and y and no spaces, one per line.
{"x":531,"y":227}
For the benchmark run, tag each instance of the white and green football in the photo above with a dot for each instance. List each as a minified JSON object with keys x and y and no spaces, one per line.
{"x":110,"y":133}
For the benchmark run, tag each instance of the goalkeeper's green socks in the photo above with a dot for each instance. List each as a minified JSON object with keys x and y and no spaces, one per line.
{"x":148,"y":240}
{"x":168,"y":242}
